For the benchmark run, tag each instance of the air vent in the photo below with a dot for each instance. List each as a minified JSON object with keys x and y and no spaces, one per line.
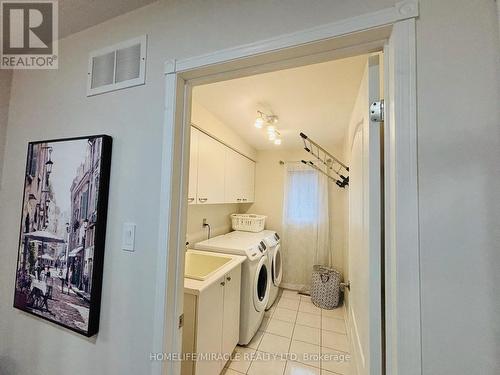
{"x":117,"y":67}
{"x":103,"y":70}
{"x":128,"y":63}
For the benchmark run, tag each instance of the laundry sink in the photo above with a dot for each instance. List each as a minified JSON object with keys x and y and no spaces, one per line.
{"x":201,"y":266}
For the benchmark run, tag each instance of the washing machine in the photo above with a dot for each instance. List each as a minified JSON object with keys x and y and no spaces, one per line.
{"x":275,"y":257}
{"x":255,"y":282}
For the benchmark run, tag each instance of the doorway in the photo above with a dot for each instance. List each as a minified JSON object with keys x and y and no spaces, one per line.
{"x":273,"y":149}
{"x":180,"y":80}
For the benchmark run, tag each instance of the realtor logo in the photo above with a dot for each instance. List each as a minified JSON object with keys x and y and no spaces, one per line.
{"x":29,"y":35}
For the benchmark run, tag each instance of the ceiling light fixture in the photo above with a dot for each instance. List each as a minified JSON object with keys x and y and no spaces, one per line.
{"x":270,"y":122}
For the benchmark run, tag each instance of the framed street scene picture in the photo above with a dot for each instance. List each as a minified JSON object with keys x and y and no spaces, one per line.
{"x":62,"y":232}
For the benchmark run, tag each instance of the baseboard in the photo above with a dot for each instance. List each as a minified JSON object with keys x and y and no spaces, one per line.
{"x":290,"y":286}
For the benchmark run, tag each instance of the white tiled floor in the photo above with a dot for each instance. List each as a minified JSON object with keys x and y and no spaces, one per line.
{"x":296,"y":338}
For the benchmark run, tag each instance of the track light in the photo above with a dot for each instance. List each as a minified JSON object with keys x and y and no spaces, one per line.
{"x":269,"y":121}
{"x":272,"y":119}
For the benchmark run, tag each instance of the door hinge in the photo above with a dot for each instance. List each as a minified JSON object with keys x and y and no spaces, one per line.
{"x":181,"y":321}
{"x":377,"y":111}
{"x":346,"y":285}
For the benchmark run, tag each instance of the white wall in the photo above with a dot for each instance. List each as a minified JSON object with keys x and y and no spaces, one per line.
{"x":458,"y":58}
{"x":459,"y":182}
{"x":5,"y":83}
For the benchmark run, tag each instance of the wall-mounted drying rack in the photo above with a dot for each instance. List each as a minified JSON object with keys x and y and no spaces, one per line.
{"x":328,"y":160}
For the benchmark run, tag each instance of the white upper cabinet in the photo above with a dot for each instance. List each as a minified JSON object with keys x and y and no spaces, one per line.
{"x":218,"y":174}
{"x":240,"y":178}
{"x":211,"y":170}
{"x":233,"y":179}
{"x":248,"y":186}
{"x":193,"y":166}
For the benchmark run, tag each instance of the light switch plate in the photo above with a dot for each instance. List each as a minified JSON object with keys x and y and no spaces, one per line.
{"x":128,"y":237}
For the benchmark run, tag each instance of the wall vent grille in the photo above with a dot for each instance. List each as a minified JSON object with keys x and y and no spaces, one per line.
{"x":117,"y":67}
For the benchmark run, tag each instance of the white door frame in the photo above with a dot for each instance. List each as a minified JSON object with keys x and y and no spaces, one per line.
{"x":391,"y":29}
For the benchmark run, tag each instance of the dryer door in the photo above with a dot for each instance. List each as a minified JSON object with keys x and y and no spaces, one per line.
{"x":261,"y":285}
{"x":276,"y":267}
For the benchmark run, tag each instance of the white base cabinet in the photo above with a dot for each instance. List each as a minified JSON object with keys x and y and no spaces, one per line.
{"x":211,"y":325}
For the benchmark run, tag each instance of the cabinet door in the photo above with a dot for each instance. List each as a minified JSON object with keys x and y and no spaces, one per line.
{"x":193,"y":166}
{"x":233,"y":173}
{"x":211,"y":160}
{"x":209,"y":326}
{"x":231,"y":315}
{"x":189,"y":332}
{"x":240,"y":178}
{"x":248,"y":180}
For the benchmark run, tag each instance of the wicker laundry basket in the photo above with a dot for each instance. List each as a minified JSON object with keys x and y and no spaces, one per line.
{"x":325,"y":287}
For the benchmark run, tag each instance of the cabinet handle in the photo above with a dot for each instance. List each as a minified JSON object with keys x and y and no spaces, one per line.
{"x":244,"y":199}
{"x":190,"y":200}
{"x":202,"y":200}
{"x":228,"y":278}
{"x":239,"y":199}
{"x":222,"y":283}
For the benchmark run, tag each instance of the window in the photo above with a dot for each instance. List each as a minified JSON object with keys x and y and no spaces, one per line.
{"x":95,"y":192}
{"x":84,"y":205}
{"x":32,"y":160}
{"x":301,"y":203}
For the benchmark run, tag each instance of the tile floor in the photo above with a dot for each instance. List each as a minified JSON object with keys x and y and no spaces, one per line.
{"x":295,"y":338}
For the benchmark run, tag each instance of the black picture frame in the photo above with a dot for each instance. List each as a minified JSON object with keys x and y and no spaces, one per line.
{"x":40,"y":278}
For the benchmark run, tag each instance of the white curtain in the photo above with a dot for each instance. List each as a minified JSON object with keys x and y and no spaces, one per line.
{"x":306,"y":227}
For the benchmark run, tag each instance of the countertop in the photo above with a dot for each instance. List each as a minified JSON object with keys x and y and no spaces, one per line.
{"x":195,"y":287}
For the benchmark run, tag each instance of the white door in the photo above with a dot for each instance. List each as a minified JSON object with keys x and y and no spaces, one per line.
{"x":364,"y":261}
{"x":193,"y":166}
{"x":211,"y":167}
{"x":231,"y":314}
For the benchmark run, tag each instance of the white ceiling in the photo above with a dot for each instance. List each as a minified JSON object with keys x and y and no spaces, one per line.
{"x":77,"y":15}
{"x":315,"y":99}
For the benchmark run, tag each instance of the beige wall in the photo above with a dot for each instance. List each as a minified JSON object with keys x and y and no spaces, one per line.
{"x":269,"y":195}
{"x":217,"y":215}
{"x":203,"y":118}
{"x":459,"y":179}
{"x":5,"y":83}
